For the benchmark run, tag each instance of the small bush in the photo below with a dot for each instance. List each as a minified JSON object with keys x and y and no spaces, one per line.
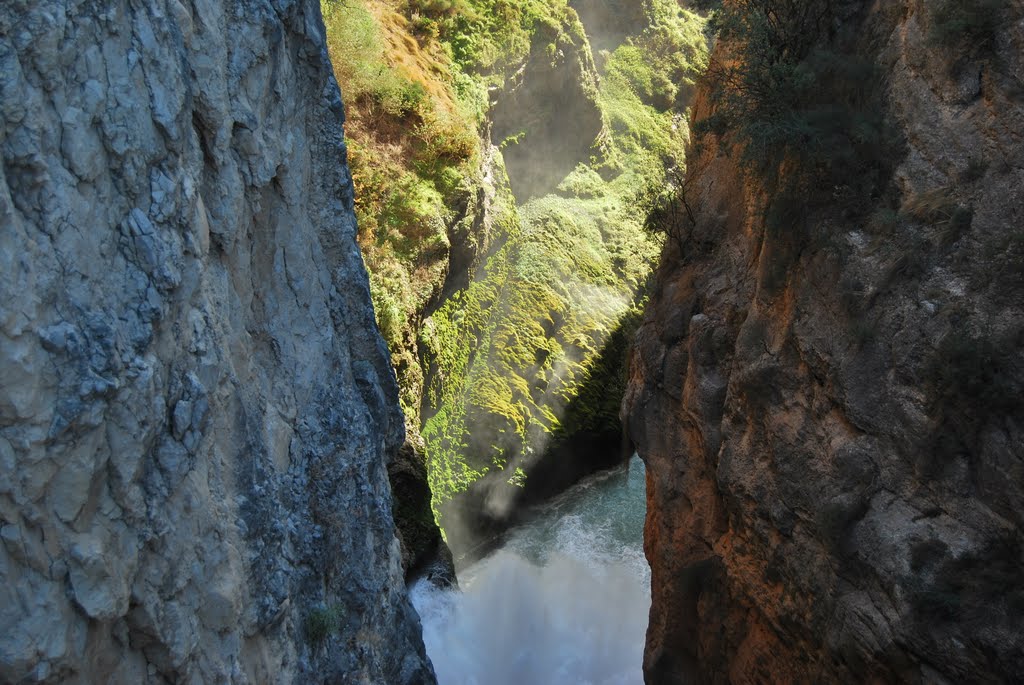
{"x":933,"y":207}
{"x":959,"y":223}
{"x":957,"y":24}
{"x":792,"y":94}
{"x":322,"y":623}
{"x":437,"y":8}
{"x":974,"y":171}
{"x":391,"y":319}
{"x":938,"y":208}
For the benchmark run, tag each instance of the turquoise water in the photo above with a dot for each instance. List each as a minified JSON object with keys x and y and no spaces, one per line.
{"x":565,"y":600}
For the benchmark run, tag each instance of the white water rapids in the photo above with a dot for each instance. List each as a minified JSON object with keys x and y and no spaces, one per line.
{"x":564,"y":601}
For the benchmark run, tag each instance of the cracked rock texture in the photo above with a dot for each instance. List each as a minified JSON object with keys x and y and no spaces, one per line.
{"x":196,"y":409}
{"x":834,"y":431}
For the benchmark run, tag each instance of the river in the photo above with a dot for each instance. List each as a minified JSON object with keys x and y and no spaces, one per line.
{"x":564,"y":600}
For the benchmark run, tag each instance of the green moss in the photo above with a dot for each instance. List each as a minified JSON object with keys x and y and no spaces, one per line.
{"x":521,"y":356}
{"x":488,"y":36}
{"x":532,"y":351}
{"x":645,"y":85}
{"x":414,"y":151}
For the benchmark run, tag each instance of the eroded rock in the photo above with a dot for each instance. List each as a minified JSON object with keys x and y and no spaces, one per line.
{"x":834,"y":439}
{"x":196,"y":409}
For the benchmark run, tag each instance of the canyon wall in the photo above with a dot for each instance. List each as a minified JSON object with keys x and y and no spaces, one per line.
{"x":828,"y":395}
{"x":526,"y":362}
{"x":196,"y":409}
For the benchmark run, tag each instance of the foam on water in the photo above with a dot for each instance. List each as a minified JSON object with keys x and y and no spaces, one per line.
{"x":564,"y":601}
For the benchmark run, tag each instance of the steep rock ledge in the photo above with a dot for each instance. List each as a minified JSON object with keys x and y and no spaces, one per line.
{"x":547,"y":117}
{"x":196,"y":409}
{"x":833,"y":430}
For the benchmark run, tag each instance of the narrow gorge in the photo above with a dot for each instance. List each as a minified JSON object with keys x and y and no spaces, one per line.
{"x":504,"y":169}
{"x":485,"y":342}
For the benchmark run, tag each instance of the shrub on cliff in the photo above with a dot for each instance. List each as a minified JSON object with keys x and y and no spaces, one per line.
{"x":973,"y":382}
{"x":787,"y":89}
{"x":485,"y":36}
{"x":959,"y":25}
{"x":413,"y":148}
{"x":321,"y":623}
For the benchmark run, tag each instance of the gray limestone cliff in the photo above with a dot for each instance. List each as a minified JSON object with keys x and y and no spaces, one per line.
{"x":196,"y":408}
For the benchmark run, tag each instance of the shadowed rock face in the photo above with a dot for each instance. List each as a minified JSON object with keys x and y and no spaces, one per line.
{"x":424,"y":552}
{"x":834,"y":431}
{"x":196,"y":409}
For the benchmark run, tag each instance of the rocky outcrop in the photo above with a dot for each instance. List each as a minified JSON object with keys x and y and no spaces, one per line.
{"x":547,"y":117}
{"x":424,"y":551}
{"x":610,"y":22}
{"x":196,"y":409}
{"x":830,"y":412}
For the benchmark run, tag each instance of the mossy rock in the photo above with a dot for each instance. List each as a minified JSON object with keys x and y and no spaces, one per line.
{"x":424,"y":551}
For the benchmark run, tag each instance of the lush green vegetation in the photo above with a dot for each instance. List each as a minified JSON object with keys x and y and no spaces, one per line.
{"x":485,"y":37}
{"x":536,"y":324}
{"x":644,"y":90}
{"x":414,"y":151}
{"x":525,"y":338}
{"x":525,"y":341}
{"x":791,"y":90}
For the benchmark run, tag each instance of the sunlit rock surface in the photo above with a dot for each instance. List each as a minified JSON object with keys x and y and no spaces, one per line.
{"x":196,"y":410}
{"x":833,"y":433}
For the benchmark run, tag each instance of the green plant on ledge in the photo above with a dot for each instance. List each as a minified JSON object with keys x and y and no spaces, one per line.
{"x":321,"y":623}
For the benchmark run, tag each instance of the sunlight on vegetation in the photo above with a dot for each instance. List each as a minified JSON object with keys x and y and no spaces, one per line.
{"x":501,"y":359}
{"x":412,"y":122}
{"x":541,"y":315}
{"x":486,"y":37}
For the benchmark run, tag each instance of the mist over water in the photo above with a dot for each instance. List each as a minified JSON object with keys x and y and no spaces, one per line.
{"x":565,"y":600}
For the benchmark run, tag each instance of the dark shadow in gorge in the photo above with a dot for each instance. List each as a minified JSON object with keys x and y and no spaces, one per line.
{"x":590,"y":439}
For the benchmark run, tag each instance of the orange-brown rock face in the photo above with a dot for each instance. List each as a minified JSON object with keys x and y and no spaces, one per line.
{"x":833,"y":427}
